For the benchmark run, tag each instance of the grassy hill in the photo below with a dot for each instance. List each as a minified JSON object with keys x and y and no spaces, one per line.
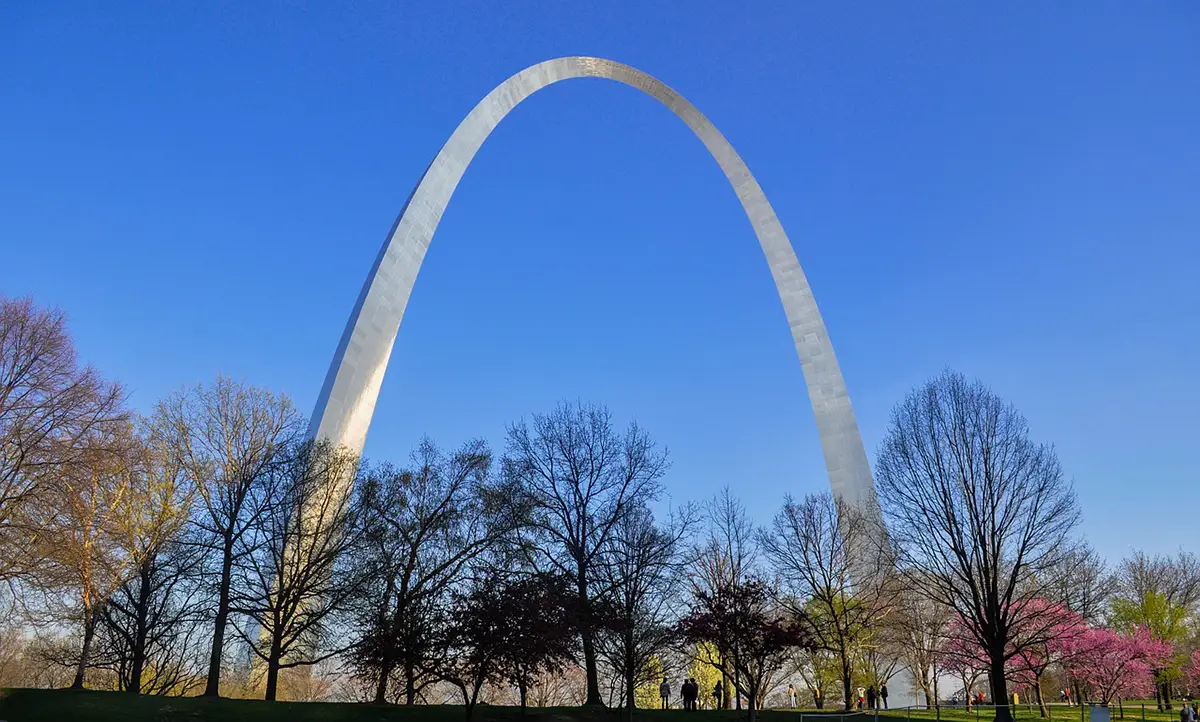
{"x":58,"y":705}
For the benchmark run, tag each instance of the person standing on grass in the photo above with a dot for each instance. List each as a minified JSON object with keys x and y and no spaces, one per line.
{"x":1185,"y":714}
{"x":791,"y":693}
{"x":871,"y":698}
{"x":818,"y":698}
{"x":883,"y":694}
{"x":664,"y":691}
{"x":718,"y":692}
{"x":861,"y":697}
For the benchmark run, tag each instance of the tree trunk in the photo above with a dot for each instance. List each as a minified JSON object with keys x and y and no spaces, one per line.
{"x":923,"y":681}
{"x":1041,"y":699}
{"x":138,"y":662}
{"x":89,"y":631}
{"x":385,"y":671}
{"x":752,"y":702}
{"x":1000,"y":688}
{"x":726,"y":690}
{"x":630,"y":673}
{"x":410,"y":685}
{"x":272,"y":679}
{"x":737,"y":687}
{"x":523,"y":690}
{"x":273,"y":659}
{"x":469,"y":702}
{"x":593,"y":675}
{"x":937,"y":702}
{"x":847,"y":685}
{"x":589,"y":646}
{"x":473,"y":700}
{"x":212,"y":687}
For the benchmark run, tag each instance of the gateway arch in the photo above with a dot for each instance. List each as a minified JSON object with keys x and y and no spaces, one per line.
{"x":347,"y":400}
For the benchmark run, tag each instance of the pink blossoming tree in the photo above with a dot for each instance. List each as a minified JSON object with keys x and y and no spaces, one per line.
{"x":1191,"y":672}
{"x":1118,"y":666}
{"x":961,"y":655}
{"x":1056,"y":638}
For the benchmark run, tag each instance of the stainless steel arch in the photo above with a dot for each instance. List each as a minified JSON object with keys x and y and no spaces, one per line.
{"x":347,"y":401}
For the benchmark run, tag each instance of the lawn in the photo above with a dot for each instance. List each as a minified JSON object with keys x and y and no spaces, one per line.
{"x":37,"y":705}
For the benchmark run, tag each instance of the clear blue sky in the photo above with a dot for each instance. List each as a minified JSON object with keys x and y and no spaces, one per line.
{"x":1011,"y":190}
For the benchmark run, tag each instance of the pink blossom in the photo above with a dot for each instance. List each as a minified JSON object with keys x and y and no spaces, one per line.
{"x":1044,"y":634}
{"x":1191,"y":671}
{"x":1118,"y":665}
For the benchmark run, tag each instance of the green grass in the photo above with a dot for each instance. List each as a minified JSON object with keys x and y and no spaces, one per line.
{"x":37,"y":705}
{"x":1058,"y":713}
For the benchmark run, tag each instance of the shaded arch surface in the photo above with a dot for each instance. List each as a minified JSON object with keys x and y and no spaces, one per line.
{"x":347,"y":400}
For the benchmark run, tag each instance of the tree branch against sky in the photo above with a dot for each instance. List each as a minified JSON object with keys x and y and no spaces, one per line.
{"x":52,"y":412}
{"x":981,"y":511}
{"x":423,"y":529}
{"x":727,"y":553}
{"x":227,"y":436}
{"x":643,"y":570}
{"x":581,"y":477}
{"x":812,"y":544}
{"x":291,"y":572}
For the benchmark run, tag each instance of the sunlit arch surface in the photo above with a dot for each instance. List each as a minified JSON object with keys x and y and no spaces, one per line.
{"x":347,"y":401}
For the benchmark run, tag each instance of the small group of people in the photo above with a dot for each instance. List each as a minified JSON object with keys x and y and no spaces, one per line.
{"x":817,"y":695}
{"x":1064,"y":695}
{"x":1189,"y":713}
{"x":873,"y":699}
{"x":689,"y":693}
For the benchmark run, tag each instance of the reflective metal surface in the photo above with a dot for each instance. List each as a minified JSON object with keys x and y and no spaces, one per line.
{"x":347,"y":399}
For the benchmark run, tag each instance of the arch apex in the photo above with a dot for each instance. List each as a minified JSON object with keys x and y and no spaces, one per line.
{"x":347,"y":399}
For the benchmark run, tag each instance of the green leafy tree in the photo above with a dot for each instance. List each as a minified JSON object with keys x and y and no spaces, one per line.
{"x":1167,"y":622}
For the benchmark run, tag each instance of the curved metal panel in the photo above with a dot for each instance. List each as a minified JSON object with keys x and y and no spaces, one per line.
{"x":347,"y":400}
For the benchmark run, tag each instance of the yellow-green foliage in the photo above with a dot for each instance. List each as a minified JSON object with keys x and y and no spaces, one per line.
{"x":646,"y":695}
{"x":706,"y":675}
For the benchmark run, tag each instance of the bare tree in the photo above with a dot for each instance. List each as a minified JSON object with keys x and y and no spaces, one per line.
{"x":1085,"y":584}
{"x":727,"y":554}
{"x":422,"y":528}
{"x":983,"y":513}
{"x":813,"y":545}
{"x":729,"y":549}
{"x":566,"y":687}
{"x":294,"y":571}
{"x":149,"y":622}
{"x":916,"y":630}
{"x":51,"y":412}
{"x":581,"y":477}
{"x":226,"y":436}
{"x":642,"y":569}
{"x":1176,"y":578}
{"x":83,"y":514}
